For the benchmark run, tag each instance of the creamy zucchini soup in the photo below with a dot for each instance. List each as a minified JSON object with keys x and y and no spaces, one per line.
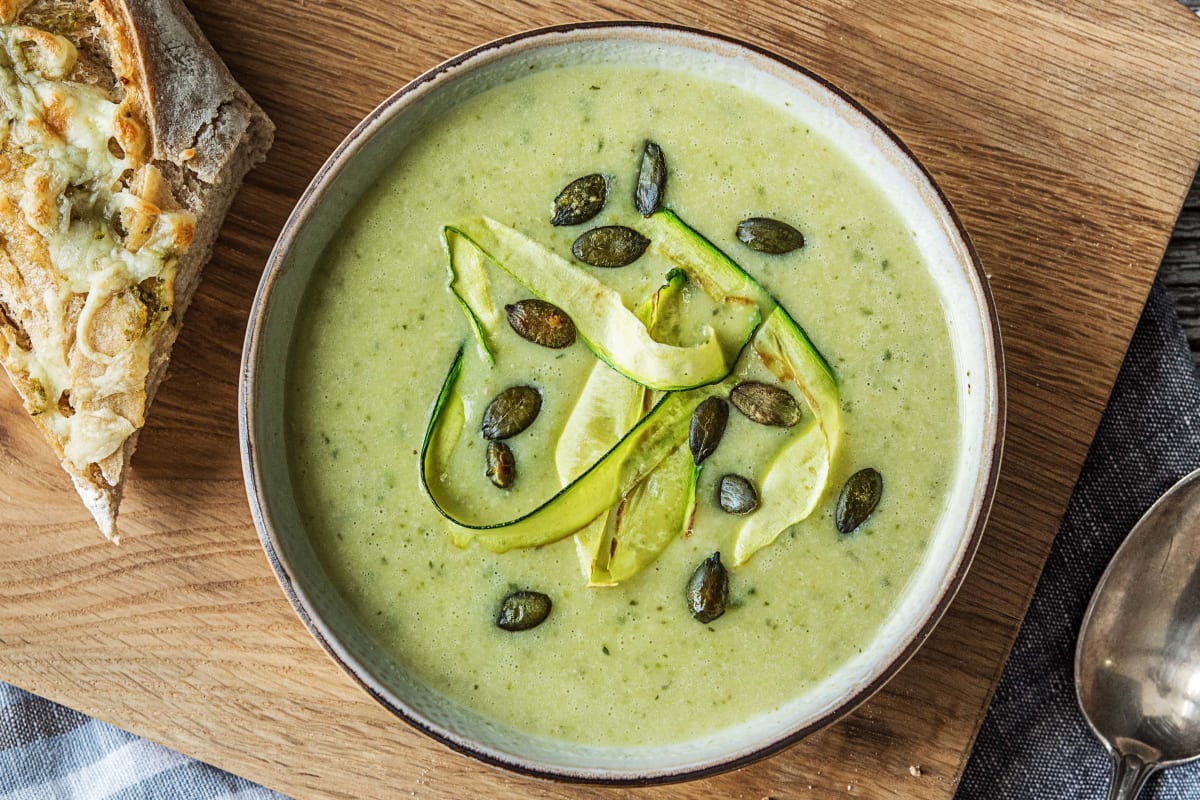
{"x":623,"y":406}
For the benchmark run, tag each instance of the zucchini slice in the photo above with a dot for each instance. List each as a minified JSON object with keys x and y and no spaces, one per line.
{"x":610,"y":330}
{"x":647,"y":518}
{"x":795,"y":481}
{"x":619,"y":543}
{"x":470,"y":286}
{"x":721,"y":277}
{"x":793,"y":484}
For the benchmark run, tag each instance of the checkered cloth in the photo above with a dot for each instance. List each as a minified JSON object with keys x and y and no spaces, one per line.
{"x":48,"y":752}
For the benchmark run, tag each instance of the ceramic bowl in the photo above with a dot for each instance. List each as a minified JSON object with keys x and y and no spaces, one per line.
{"x":335,"y":190}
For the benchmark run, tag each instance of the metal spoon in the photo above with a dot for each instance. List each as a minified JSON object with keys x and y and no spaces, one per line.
{"x":1137,"y":664}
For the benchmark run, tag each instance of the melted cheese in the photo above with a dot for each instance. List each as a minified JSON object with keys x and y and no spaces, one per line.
{"x":109,"y":226}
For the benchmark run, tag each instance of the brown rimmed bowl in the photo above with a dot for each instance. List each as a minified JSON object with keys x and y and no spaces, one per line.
{"x":334,"y":192}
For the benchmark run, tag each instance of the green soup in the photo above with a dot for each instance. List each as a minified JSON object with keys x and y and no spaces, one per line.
{"x":623,"y":665}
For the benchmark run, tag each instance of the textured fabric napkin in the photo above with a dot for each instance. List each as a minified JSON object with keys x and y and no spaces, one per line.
{"x":48,"y":752}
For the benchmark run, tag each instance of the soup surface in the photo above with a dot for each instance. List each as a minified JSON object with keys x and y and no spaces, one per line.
{"x":627,"y":664}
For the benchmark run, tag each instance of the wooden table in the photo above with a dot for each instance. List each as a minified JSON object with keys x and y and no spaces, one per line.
{"x":1065,"y":134}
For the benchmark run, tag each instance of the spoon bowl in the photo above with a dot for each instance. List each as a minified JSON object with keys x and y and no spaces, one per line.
{"x":1137,"y":663}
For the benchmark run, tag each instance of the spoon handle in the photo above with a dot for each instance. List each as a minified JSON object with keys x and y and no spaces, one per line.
{"x":1129,"y":775}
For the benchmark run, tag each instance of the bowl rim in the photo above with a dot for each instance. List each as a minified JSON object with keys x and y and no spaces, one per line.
{"x":371,"y":124}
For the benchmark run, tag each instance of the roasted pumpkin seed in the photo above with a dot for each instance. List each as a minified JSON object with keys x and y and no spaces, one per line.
{"x":708,"y":589}
{"x":651,"y":180}
{"x":581,"y":200}
{"x":858,"y":499}
{"x":610,"y":246}
{"x":511,"y":412}
{"x":522,"y":610}
{"x":766,"y":404}
{"x":541,"y":323}
{"x":768,"y":235}
{"x":501,"y":466}
{"x":708,"y":425}
{"x":736,"y":495}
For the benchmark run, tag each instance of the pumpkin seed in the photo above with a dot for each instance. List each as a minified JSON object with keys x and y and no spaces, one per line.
{"x":522,"y":610}
{"x":736,"y":495}
{"x":708,"y":425}
{"x":768,"y":235}
{"x":541,"y":323}
{"x":766,"y":404}
{"x":501,"y":466}
{"x":858,"y":499}
{"x":511,"y":412}
{"x":610,"y":246}
{"x":581,"y":200}
{"x":651,"y":180}
{"x":708,"y":589}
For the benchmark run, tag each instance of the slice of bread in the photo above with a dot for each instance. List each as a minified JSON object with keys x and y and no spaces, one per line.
{"x":123,"y":140}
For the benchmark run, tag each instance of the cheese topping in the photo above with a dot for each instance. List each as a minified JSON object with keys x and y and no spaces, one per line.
{"x":112,"y":233}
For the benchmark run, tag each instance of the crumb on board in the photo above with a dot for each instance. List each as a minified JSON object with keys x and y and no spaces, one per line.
{"x":916,"y":771}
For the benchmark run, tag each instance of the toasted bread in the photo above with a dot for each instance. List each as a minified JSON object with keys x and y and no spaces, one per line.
{"x":124,"y":140}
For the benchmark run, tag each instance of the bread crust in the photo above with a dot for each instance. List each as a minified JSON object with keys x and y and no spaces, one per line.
{"x":193,"y":133}
{"x":197,"y":113}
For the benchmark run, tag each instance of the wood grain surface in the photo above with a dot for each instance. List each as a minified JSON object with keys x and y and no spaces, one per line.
{"x":1065,"y":134}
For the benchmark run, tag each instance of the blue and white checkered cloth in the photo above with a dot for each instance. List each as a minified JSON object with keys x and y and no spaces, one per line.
{"x":48,"y":752}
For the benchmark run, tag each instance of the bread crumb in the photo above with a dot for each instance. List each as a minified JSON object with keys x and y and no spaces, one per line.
{"x":916,"y":771}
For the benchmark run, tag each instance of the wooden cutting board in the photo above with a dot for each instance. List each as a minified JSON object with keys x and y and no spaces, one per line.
{"x":1064,"y":133}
